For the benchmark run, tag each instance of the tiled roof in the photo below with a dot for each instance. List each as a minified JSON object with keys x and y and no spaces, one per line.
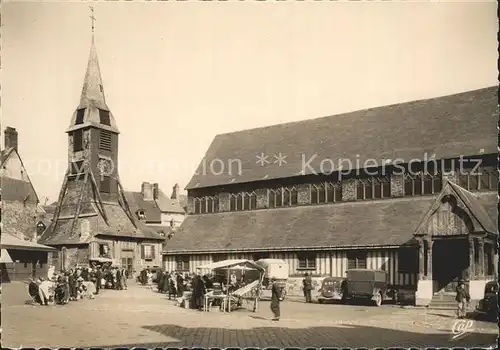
{"x":119,"y":226}
{"x":476,"y":208}
{"x":4,"y":154}
{"x":389,"y":222}
{"x":136,"y":201}
{"x":385,"y":222}
{"x":449,"y":126}
{"x":17,"y":190}
{"x":168,"y":205}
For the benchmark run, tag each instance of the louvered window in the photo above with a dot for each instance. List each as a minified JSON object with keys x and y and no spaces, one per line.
{"x":105,"y":140}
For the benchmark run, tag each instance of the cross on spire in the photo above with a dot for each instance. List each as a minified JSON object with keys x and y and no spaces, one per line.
{"x":92,"y":18}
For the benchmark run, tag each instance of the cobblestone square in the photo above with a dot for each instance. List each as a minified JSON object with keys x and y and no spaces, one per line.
{"x":141,"y":317}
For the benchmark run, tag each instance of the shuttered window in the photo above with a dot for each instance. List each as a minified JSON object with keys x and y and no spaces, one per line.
{"x":77,"y":140}
{"x":105,"y":140}
{"x":148,"y":252}
{"x":356,"y":260}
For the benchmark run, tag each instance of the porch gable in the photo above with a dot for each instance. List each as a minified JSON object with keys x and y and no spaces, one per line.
{"x":455,"y":211}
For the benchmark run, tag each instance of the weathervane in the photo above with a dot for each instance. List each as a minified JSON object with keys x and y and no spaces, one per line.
{"x":92,"y":18}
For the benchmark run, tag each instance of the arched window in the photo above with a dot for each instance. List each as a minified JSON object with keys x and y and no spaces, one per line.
{"x":333,"y":192}
{"x":197,"y":205}
{"x":289,"y":196}
{"x":373,"y":188}
{"x":236,"y":201}
{"x":249,"y":200}
{"x":422,"y":183}
{"x":275,"y":198}
{"x":212,"y":204}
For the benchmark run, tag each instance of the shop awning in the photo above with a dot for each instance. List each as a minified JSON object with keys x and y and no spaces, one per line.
{"x":11,"y":242}
{"x":227,"y":264}
{"x":5,"y":257}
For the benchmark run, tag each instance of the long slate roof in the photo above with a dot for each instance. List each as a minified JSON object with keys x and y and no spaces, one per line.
{"x":449,"y":126}
{"x":387,"y":222}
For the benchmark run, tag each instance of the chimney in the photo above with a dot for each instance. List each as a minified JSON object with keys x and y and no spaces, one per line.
{"x":147,"y":191}
{"x":155,"y":191}
{"x":175,"y":192}
{"x":11,"y":139}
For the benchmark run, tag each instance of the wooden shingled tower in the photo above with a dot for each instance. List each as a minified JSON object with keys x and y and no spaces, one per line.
{"x":92,"y":201}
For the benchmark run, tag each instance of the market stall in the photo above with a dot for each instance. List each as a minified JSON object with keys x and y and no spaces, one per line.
{"x":239,"y":278}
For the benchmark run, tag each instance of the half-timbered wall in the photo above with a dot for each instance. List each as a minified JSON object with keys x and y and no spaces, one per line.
{"x":328,"y":263}
{"x":119,"y":249}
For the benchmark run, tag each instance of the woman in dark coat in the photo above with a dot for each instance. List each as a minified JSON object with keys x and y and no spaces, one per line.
{"x":275,"y":300}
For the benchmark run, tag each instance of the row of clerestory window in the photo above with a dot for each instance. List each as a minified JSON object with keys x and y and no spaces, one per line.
{"x":369,"y":188}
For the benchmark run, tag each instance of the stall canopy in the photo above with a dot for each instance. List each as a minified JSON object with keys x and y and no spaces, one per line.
{"x":240,"y":264}
{"x":5,"y":257}
{"x":11,"y":242}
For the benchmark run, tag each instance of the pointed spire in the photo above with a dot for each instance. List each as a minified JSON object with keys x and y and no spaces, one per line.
{"x":93,"y":90}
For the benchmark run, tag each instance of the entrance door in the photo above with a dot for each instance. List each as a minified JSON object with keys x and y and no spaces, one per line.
{"x":128,"y":264}
{"x":450,"y":261}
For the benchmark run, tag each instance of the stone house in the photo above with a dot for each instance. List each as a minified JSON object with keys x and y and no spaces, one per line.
{"x":409,"y":188}
{"x":22,"y":257}
{"x":93,"y":217}
{"x":153,"y":207}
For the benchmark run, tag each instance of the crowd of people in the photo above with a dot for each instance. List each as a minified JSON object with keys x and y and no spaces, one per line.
{"x":76,"y":284}
{"x":176,"y":283}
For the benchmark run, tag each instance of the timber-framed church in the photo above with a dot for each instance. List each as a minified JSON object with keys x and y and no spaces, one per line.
{"x":93,"y":218}
{"x":419,"y":203}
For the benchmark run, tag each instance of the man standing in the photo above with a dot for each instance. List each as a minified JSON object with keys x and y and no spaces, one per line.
{"x":307,"y":286}
{"x":275,"y":299}
{"x":462,"y":299}
{"x":98,"y":276}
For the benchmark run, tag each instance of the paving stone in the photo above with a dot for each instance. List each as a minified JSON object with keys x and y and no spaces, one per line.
{"x":140,"y":317}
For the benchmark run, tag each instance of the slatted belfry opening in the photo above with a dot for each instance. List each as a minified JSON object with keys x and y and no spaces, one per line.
{"x":105,"y":140}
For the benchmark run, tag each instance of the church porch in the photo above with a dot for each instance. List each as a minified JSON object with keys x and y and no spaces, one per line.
{"x":457,"y":242}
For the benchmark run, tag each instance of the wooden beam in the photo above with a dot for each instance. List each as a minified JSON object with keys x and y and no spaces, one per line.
{"x":62,"y":193}
{"x":80,"y":200}
{"x":480,"y":270}
{"x":125,"y":202}
{"x":96,"y":188}
{"x":472,"y":265}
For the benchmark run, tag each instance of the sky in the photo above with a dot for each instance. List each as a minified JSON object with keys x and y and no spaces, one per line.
{"x":176,"y":74}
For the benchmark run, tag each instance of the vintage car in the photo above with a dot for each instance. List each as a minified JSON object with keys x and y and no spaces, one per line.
{"x":366,"y":284}
{"x":332,"y":288}
{"x":488,"y":306}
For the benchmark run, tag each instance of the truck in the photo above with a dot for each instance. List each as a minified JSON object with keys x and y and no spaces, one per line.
{"x":274,"y":268}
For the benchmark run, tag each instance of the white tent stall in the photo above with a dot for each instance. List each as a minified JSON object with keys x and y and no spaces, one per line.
{"x":235,"y":265}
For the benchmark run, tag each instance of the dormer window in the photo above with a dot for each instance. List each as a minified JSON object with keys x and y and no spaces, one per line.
{"x":104,"y":117}
{"x":80,"y":113}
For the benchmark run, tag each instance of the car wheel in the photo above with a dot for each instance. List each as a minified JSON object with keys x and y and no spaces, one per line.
{"x":378,"y":299}
{"x":320,"y":301}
